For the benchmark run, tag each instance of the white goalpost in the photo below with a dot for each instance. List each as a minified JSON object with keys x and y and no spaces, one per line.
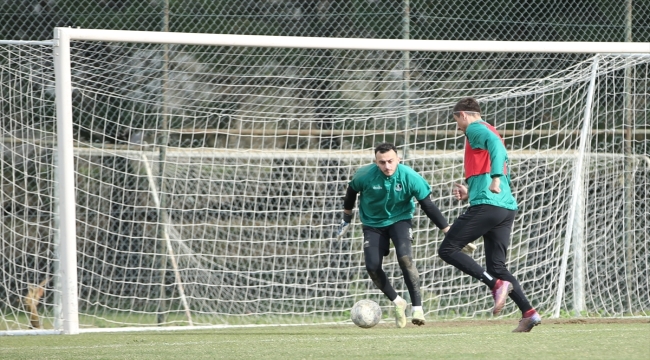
{"x":171,"y":181}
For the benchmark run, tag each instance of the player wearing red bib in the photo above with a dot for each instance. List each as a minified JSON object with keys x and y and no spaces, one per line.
{"x":491,"y":213}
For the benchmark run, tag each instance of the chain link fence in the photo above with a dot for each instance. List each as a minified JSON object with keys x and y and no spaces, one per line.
{"x":516,"y":20}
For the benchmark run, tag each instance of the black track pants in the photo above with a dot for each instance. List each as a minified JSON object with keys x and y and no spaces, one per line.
{"x":494,"y":224}
{"x":376,"y":245}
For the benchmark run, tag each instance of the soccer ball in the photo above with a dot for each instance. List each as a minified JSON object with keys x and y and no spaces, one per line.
{"x":366,"y":313}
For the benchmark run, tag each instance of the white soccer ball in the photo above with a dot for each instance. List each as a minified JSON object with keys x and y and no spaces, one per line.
{"x":366,"y":313}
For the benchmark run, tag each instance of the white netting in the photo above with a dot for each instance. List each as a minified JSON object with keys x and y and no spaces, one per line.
{"x":27,"y":189}
{"x":209,"y":179}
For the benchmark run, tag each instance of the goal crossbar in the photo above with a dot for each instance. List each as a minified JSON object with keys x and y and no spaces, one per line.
{"x":350,"y":43}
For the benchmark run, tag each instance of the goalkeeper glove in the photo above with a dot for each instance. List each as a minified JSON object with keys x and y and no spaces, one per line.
{"x":344,"y":225}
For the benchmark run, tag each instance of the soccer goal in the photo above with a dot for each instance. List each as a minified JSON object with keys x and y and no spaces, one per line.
{"x":169,"y":180}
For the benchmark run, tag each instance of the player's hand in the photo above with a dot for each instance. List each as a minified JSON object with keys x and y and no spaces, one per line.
{"x":495,"y":185}
{"x":344,"y":225}
{"x":460,"y":192}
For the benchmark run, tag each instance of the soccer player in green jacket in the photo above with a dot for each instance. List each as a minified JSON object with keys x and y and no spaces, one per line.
{"x":386,"y":208}
{"x":491,"y":213}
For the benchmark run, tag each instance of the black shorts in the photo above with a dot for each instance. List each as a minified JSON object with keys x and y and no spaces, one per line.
{"x":400,"y":232}
{"x":494,"y":224}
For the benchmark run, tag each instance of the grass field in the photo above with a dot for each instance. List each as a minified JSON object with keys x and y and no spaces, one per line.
{"x":554,"y":339}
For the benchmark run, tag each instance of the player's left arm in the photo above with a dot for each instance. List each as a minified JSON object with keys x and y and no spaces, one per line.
{"x":421,"y":190}
{"x":498,"y":160}
{"x":434,"y":213}
{"x":487,"y":140}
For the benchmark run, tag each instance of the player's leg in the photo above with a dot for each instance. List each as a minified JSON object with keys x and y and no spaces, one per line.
{"x":376,"y":245}
{"x":470,"y":226}
{"x":496,"y":245}
{"x":402,"y":237}
{"x":475,"y":222}
{"x":496,"y":242}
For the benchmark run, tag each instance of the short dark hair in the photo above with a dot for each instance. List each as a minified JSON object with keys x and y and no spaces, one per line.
{"x":467,"y":104}
{"x":384,"y":148}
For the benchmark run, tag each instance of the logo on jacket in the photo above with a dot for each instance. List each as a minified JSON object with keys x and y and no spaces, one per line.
{"x":398,"y":187}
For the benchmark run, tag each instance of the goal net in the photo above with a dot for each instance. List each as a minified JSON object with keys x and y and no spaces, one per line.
{"x":207,"y":175}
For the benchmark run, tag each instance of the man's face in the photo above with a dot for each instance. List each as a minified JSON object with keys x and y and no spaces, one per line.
{"x":387,"y":162}
{"x":461,"y":120}
{"x":464,"y":118}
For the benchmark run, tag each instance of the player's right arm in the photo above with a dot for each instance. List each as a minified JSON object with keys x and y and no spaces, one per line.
{"x":460,"y":193}
{"x":348,"y":205}
{"x":350,"y":200}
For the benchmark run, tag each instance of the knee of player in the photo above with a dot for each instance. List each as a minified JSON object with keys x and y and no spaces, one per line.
{"x":444,"y":252}
{"x":372,"y":269}
{"x":405,"y":261}
{"x":497,"y":270}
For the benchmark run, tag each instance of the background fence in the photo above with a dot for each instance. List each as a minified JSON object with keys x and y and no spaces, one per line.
{"x":520,"y":20}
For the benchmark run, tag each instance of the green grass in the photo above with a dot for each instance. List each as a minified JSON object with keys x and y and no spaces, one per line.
{"x":554,"y":339}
